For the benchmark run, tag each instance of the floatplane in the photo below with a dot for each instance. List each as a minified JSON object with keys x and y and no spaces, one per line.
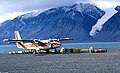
{"x":36,"y":44}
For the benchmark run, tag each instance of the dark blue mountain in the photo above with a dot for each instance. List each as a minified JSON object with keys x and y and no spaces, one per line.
{"x":111,"y":29}
{"x":73,"y":21}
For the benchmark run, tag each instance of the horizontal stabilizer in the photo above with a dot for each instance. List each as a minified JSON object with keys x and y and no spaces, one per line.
{"x":6,"y":40}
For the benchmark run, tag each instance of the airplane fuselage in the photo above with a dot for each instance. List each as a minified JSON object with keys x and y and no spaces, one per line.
{"x":38,"y":46}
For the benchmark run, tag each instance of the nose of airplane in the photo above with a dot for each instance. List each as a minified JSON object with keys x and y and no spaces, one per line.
{"x":59,"y":44}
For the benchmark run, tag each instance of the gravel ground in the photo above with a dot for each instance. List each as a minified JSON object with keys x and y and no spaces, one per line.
{"x":62,"y":63}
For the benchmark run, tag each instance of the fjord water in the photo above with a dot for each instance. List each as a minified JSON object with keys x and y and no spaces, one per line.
{"x":111,"y":45}
{"x":107,"y":45}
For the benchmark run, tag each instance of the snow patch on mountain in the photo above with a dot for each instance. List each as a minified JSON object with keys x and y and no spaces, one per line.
{"x":31,"y":14}
{"x":96,"y":28}
{"x":66,"y":8}
{"x":110,"y":31}
{"x":90,"y":9}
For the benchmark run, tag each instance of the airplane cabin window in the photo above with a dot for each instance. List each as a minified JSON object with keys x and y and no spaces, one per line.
{"x":51,"y":40}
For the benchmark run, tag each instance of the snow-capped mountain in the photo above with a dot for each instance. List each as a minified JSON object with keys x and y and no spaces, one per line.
{"x":73,"y":21}
{"x":111,"y":29}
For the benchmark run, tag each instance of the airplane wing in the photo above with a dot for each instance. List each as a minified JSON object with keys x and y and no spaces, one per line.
{"x":34,"y":40}
{"x":24,"y":41}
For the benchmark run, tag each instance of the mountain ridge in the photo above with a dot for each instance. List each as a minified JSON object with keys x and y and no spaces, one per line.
{"x":73,"y":21}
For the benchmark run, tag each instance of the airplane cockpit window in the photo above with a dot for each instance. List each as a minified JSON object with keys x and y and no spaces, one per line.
{"x":51,"y":40}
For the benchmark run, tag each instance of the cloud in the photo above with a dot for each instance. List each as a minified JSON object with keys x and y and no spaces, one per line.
{"x":9,"y":9}
{"x":27,"y":5}
{"x":18,"y":5}
{"x":10,"y":16}
{"x":104,"y":4}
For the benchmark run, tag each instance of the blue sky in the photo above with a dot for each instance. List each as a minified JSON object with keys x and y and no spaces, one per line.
{"x":9,"y":9}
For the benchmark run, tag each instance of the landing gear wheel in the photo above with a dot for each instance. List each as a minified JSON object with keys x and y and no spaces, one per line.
{"x":56,"y":51}
{"x":34,"y":52}
{"x":47,"y":51}
{"x":51,"y":46}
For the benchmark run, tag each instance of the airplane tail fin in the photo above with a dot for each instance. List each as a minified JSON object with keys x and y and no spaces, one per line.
{"x":17,"y":37}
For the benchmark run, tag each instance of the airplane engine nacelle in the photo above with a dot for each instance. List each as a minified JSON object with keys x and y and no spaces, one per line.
{"x":36,"y":41}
